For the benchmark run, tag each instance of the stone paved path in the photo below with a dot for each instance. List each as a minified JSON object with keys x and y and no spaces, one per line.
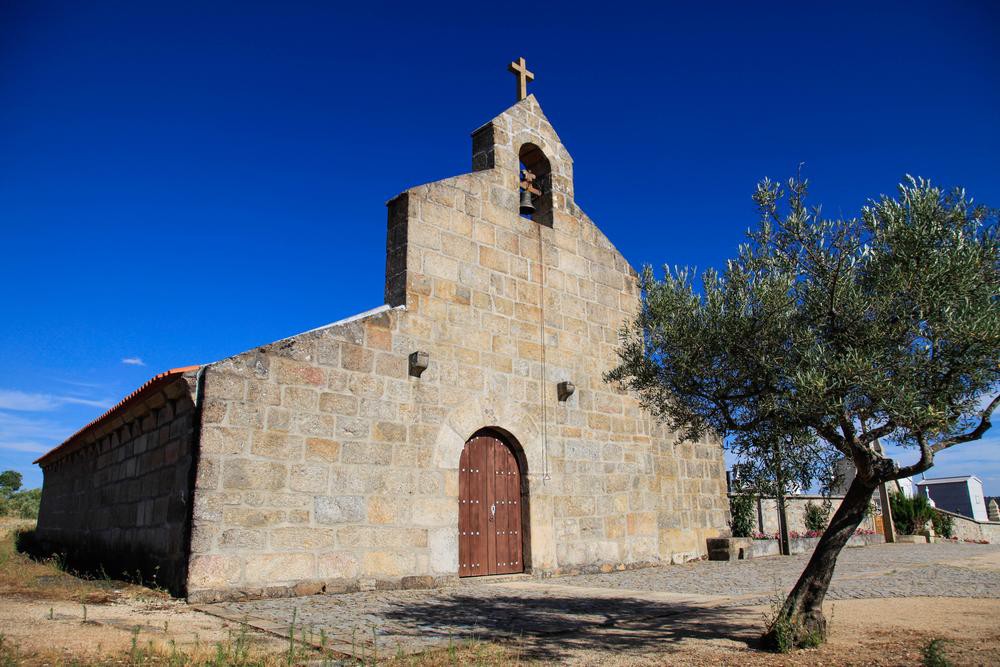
{"x":884,"y":570}
{"x":649,"y":603}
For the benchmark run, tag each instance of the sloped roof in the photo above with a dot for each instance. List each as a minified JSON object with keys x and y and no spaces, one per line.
{"x":948,"y":480}
{"x":139,"y":394}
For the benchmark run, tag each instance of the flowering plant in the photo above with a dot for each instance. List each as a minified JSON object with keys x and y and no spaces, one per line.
{"x":757,"y":535}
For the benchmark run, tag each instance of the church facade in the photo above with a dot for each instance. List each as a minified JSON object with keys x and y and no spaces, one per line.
{"x":461,"y":429}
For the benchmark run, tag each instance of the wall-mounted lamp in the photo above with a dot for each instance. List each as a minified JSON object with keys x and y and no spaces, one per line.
{"x":418,"y":363}
{"x":565,"y":389}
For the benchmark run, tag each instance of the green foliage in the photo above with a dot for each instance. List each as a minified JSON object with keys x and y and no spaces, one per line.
{"x":22,"y":504}
{"x":741,"y":508}
{"x":13,"y":501}
{"x":910,"y":514}
{"x":944,"y":524}
{"x":830,"y":333}
{"x":933,"y":656}
{"x":10,"y":481}
{"x":816,"y":516}
{"x":783,"y":633}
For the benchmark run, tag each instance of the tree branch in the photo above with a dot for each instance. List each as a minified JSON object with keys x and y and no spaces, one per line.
{"x":830,"y":434}
{"x":974,"y":434}
{"x":877,"y":432}
{"x":925,"y":462}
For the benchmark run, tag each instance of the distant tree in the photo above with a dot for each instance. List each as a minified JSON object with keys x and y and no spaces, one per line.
{"x":773,"y":464}
{"x":910,"y":514}
{"x":13,"y":501}
{"x":742,"y":522}
{"x":943,"y":524}
{"x":10,"y":482}
{"x":816,"y":516}
{"x":23,"y":504}
{"x":885,"y":326}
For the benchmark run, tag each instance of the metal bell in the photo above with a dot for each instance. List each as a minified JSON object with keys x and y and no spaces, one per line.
{"x":527,"y":206}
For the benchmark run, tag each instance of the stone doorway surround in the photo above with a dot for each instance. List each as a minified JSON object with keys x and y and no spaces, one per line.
{"x":515,"y":426}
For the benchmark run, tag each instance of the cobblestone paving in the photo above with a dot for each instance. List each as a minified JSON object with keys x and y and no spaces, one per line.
{"x":652,"y":600}
{"x":885,"y":570}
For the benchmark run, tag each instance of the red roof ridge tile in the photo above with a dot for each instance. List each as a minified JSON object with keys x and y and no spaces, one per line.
{"x":155,"y":381}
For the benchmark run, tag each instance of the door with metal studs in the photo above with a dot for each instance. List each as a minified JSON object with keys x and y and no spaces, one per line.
{"x":489,"y":509}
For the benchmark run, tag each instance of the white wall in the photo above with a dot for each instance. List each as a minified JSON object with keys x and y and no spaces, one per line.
{"x":978,"y":500}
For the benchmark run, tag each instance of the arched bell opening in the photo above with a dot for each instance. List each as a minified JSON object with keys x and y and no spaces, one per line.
{"x":493,"y":506}
{"x":535,"y":185}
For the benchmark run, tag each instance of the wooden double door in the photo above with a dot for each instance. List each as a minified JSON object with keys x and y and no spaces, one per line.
{"x":489,"y":509}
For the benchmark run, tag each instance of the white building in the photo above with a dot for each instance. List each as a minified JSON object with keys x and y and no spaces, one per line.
{"x":961,"y":495}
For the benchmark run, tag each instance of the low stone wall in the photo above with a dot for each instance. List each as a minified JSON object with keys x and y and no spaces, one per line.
{"x":970,"y":529}
{"x":117,"y":500}
{"x":801,"y":545}
{"x":795,"y":510}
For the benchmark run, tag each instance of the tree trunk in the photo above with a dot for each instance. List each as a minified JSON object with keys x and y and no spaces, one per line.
{"x":783,"y":540}
{"x":800,"y":621}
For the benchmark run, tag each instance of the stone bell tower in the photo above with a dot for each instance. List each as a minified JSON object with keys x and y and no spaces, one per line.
{"x":518,"y":140}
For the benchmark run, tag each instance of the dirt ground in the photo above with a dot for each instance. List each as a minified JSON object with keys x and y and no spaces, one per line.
{"x":49,"y":617}
{"x":892,"y":631}
{"x":863,"y":632}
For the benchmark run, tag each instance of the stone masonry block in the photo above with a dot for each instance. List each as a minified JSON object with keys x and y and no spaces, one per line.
{"x":213,"y":571}
{"x":272,"y":568}
{"x":339,"y":509}
{"x":245,"y":474}
{"x":277,"y":445}
{"x":302,"y":539}
{"x":223,"y":440}
{"x":308,"y":478}
{"x":321,"y":449}
{"x":375,"y":453}
{"x":356,"y":358}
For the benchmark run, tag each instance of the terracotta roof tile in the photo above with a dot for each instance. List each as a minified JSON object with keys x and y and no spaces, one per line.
{"x":139,"y":394}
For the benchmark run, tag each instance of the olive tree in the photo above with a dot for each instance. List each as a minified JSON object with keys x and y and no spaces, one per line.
{"x":883,"y":326}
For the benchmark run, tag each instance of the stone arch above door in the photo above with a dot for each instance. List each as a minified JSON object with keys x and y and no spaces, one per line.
{"x":466,"y":419}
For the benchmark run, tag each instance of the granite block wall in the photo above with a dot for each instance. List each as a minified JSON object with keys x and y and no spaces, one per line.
{"x":326,"y":466}
{"x":119,"y":500}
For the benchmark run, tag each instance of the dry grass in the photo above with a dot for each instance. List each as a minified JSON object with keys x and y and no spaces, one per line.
{"x":51,"y":617}
{"x":240,"y":650}
{"x":44,"y":582}
{"x":21,"y":576}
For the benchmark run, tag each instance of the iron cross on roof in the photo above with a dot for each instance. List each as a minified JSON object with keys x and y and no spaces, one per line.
{"x":520,"y":69}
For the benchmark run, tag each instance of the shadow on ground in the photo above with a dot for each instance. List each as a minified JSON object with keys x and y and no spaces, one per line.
{"x":549,"y":627}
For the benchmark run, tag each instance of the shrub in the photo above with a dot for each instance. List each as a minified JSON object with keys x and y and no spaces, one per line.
{"x":816,"y":516}
{"x":944,"y":524}
{"x":910,"y":514}
{"x":933,"y":656}
{"x":741,"y":508}
{"x":13,"y":501}
{"x":23,"y":504}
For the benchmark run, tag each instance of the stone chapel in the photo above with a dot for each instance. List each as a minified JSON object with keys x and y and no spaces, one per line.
{"x":461,"y":429}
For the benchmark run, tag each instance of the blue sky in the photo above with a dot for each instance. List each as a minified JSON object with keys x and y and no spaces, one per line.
{"x":182,"y":181}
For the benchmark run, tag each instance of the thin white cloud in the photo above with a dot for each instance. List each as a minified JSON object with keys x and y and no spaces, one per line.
{"x":30,"y":435}
{"x":31,"y":447}
{"x":22,"y":401}
{"x":11,"y":399}
{"x":133,"y":361}
{"x":76,"y":400}
{"x":83,"y":385}
{"x":18,"y":428}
